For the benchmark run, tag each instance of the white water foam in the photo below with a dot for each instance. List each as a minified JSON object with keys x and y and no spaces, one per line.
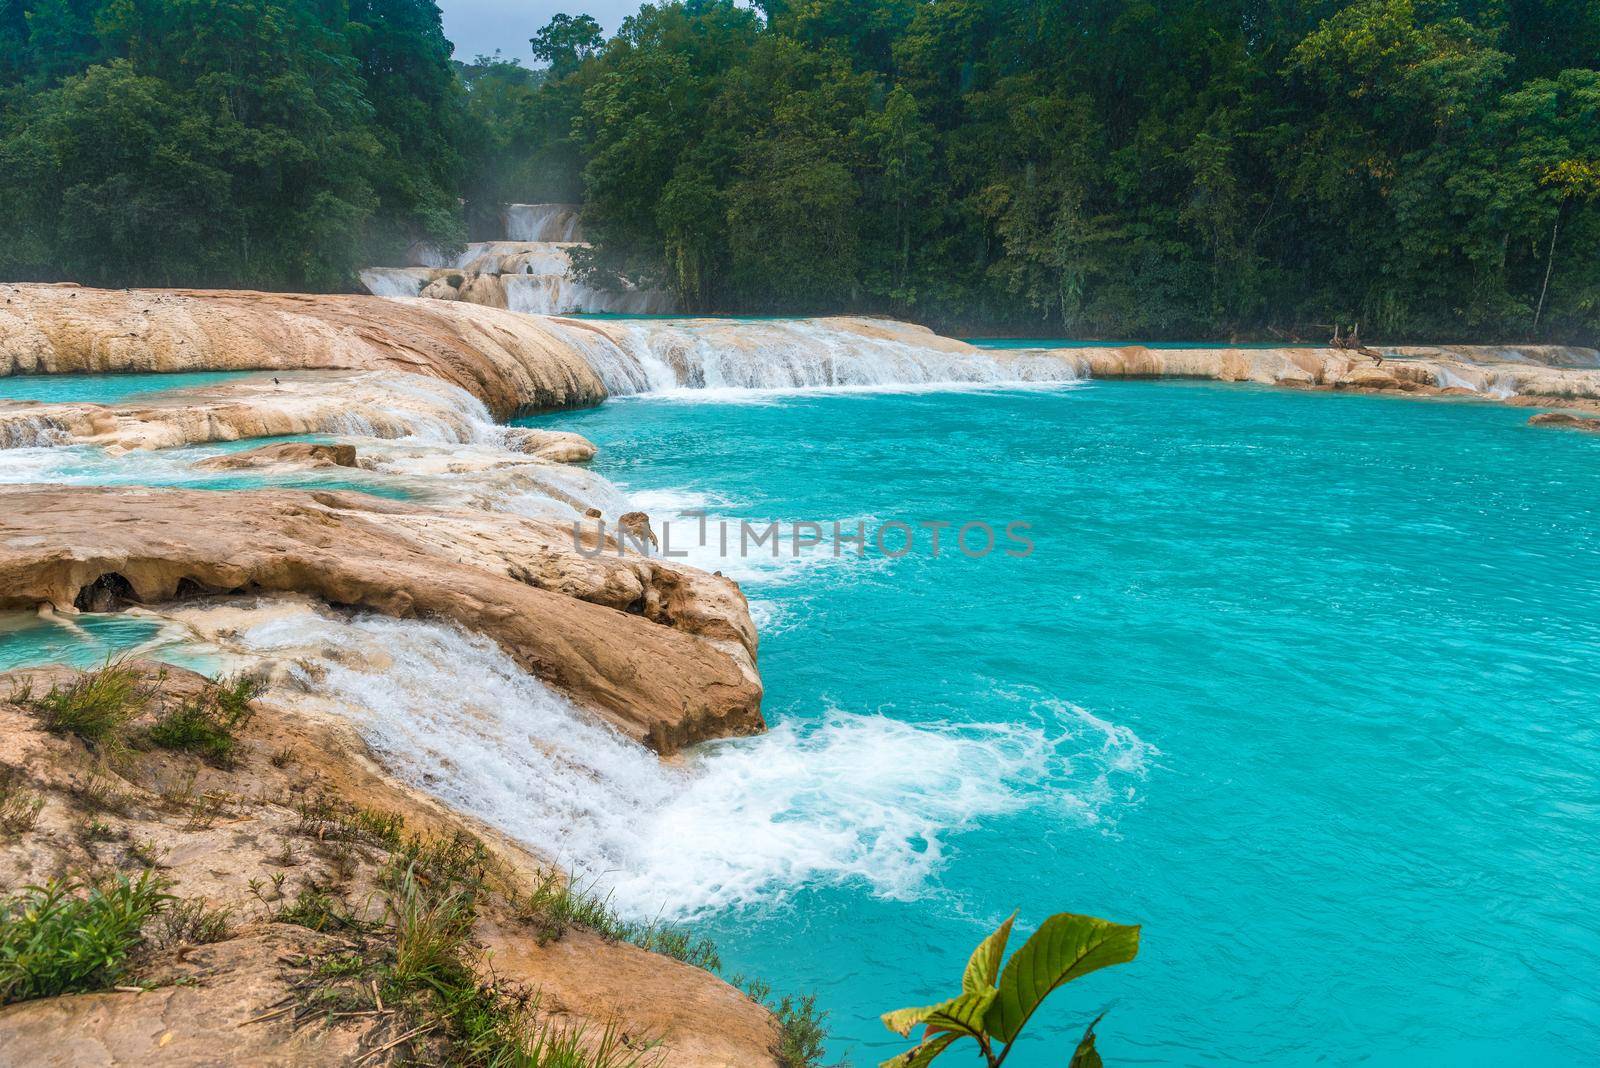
{"x":558,"y":294}
{"x":849,"y":798}
{"x":395,"y":281}
{"x":760,"y":360}
{"x":542,"y":222}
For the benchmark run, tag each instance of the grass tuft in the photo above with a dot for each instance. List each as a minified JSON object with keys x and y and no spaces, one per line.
{"x":432,"y":908}
{"x":19,"y":805}
{"x":208,"y":723}
{"x":193,"y":923}
{"x":96,"y":707}
{"x":432,"y":927}
{"x":99,"y":794}
{"x":66,"y":937}
{"x":556,"y":903}
{"x":327,"y":820}
{"x":321,"y":911}
{"x":802,"y":1028}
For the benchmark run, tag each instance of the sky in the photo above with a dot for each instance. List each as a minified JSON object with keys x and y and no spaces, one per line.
{"x":478,"y":27}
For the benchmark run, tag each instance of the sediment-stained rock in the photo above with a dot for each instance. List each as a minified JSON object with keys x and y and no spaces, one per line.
{"x":664,"y":654}
{"x":520,"y":362}
{"x":1565,"y":420}
{"x":556,"y":446}
{"x":200,"y":1015}
{"x":286,"y":453}
{"x":1491,"y":372}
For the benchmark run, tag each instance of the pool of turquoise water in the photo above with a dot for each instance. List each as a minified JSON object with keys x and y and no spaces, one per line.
{"x":89,"y":640}
{"x":104,"y":389}
{"x":89,"y":465}
{"x":1318,"y":679}
{"x":1090,"y":343}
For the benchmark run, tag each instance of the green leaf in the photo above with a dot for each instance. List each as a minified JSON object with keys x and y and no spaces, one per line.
{"x":984,"y":966}
{"x":1086,"y":1056}
{"x":922,"y":1055}
{"x":901,"y":1021}
{"x":962,"y":1014}
{"x":1064,"y":948}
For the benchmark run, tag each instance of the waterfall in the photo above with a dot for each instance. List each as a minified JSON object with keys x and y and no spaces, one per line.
{"x":32,"y":432}
{"x":654,"y":356}
{"x":533,"y":277}
{"x":541,"y":222}
{"x":556,"y":294}
{"x":395,"y":281}
{"x":854,"y":798}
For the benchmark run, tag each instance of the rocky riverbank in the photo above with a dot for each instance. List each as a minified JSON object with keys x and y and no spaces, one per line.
{"x":483,"y":539}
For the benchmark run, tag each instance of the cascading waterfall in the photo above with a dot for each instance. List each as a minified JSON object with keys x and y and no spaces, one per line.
{"x":664,"y":356}
{"x":1484,"y":381}
{"x":32,"y":432}
{"x":542,"y":222}
{"x":557,"y":294}
{"x":396,"y":281}
{"x":854,"y":798}
{"x":530,"y":271}
{"x":534,"y":277}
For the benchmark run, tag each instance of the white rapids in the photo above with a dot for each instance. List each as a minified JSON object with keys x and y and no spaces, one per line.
{"x":851,"y":798}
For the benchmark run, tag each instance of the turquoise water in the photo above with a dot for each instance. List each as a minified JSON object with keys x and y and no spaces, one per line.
{"x":1089,"y":343}
{"x":1305,"y":684}
{"x":89,"y":640}
{"x":89,"y":465}
{"x":104,"y":389}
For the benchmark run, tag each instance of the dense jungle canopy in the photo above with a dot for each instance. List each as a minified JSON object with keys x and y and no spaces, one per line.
{"x":1210,"y":168}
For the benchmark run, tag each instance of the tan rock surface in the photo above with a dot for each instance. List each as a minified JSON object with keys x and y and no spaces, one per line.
{"x":671,"y":667}
{"x":556,"y":446}
{"x":510,"y":362}
{"x":203,"y":1023}
{"x":361,"y":403}
{"x":1563,"y":419}
{"x":666,"y":1000}
{"x":1492,"y":372}
{"x":292,"y":453}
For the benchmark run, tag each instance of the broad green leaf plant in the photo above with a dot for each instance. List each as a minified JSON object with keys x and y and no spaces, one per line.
{"x":994,"y":1005}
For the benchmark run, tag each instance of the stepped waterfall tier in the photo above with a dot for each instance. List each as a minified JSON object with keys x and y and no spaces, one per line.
{"x":529,"y":271}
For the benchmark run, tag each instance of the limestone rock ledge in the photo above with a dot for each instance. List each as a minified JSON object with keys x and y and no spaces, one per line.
{"x":1491,"y":372}
{"x":510,"y":362}
{"x":287,"y":453}
{"x":1566,"y":421}
{"x":361,"y":403}
{"x":665,"y":654}
{"x":238,"y":839}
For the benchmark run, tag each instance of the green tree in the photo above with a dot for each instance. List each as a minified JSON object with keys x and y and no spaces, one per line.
{"x":564,"y":42}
